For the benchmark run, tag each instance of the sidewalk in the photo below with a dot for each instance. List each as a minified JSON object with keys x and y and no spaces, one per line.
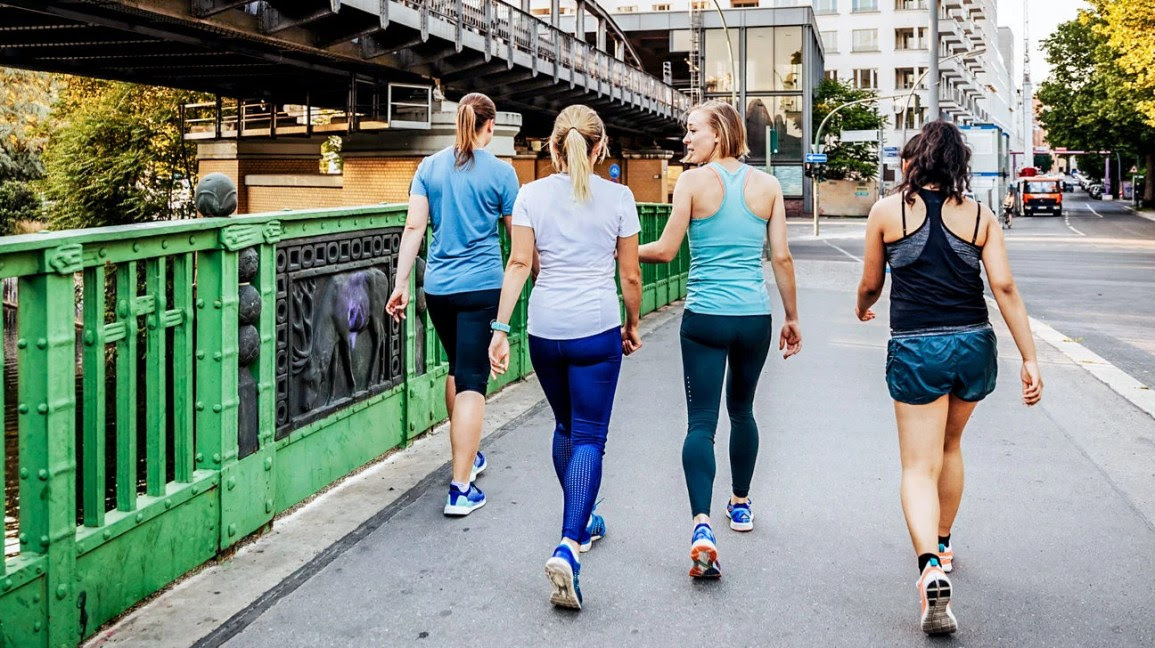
{"x":1054,"y":540}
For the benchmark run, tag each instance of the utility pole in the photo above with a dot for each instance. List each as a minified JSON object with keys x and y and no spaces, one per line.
{"x":932,"y":109}
{"x":1028,"y":96}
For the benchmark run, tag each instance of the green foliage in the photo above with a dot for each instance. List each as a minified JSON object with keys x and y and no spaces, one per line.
{"x":1128,"y":26}
{"x":1043,"y":162}
{"x":118,"y":156}
{"x":18,"y":201}
{"x":25,"y":101}
{"x":857,"y":161}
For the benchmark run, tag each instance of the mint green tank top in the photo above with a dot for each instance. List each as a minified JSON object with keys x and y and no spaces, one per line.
{"x":726,"y":255}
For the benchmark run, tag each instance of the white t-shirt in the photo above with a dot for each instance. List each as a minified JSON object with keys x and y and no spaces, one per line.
{"x":575,"y":295}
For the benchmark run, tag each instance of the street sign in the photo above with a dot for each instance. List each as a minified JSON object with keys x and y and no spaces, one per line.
{"x":850,"y":136}
{"x":615,"y":171}
{"x":816,"y":158}
{"x":890,"y":155}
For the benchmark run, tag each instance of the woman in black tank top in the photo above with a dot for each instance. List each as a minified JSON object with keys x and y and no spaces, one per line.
{"x":942,"y":357}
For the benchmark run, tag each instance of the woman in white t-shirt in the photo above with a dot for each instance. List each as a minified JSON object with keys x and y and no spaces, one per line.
{"x":576,"y":222}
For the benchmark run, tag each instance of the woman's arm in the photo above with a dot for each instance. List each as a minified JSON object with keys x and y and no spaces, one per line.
{"x":630,"y":274}
{"x":782,"y":263}
{"x":1014,"y":311}
{"x":516,"y":272}
{"x":416,"y":222}
{"x":873,"y":266}
{"x":666,"y":247}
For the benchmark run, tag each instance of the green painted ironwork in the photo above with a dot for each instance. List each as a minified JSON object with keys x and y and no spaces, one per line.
{"x":84,"y":560}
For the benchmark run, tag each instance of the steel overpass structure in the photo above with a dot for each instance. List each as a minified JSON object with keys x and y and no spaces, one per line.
{"x":345,"y":54}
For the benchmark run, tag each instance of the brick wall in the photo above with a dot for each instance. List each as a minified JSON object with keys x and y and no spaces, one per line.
{"x":265,"y":199}
{"x":375,"y":180}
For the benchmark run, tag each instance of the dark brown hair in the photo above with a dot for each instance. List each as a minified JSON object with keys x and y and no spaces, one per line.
{"x":937,"y":156}
{"x":473,"y":112}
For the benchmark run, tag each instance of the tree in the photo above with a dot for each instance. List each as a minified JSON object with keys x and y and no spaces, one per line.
{"x":18,"y":202}
{"x":850,"y":161}
{"x":1088,"y":100}
{"x":1129,"y":29}
{"x":25,"y":102}
{"x":1043,"y":162}
{"x":119,"y":156}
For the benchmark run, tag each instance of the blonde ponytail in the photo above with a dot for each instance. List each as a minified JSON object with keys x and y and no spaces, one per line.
{"x":473,"y":112}
{"x":577,"y":132}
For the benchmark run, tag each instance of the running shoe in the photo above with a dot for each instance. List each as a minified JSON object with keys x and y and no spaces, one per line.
{"x":479,"y":466}
{"x":946,"y":557}
{"x":460,"y":503}
{"x":934,"y":588}
{"x":704,"y":553}
{"x":595,"y":530}
{"x":563,"y":569}
{"x":741,"y":517}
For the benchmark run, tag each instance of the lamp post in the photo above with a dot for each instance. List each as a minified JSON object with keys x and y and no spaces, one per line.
{"x":933,"y":69}
{"x":933,"y":86}
{"x":730,"y":53}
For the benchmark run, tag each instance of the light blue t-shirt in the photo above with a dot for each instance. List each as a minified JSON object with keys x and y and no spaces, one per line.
{"x":465,"y":206}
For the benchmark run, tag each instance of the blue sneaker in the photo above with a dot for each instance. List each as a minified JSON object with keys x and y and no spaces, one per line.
{"x":741,"y":517}
{"x":460,"y":503}
{"x":479,"y":466}
{"x":595,"y":530}
{"x":562,"y":569}
{"x":704,"y":553}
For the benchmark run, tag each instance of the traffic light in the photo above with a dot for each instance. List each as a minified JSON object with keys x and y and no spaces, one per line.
{"x":807,"y":171}
{"x":820,"y":172}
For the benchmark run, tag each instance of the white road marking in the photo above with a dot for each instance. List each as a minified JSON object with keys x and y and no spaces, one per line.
{"x":1067,"y":221}
{"x":841,"y":250}
{"x":1116,"y":379}
{"x":1093,"y":210}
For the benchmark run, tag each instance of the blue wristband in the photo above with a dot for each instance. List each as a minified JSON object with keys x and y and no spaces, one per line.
{"x":495,"y":325}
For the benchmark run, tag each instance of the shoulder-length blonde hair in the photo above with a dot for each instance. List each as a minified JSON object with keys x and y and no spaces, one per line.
{"x":724,"y":120}
{"x":474,"y":111}
{"x":577,"y":132}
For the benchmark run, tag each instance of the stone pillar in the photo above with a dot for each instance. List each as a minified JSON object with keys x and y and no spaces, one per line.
{"x":379,"y":167}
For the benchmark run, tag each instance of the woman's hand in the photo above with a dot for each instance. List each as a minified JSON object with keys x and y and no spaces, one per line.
{"x":498,"y":353}
{"x":631,"y":339}
{"x":398,"y":301}
{"x":791,"y":338}
{"x":1032,"y":382}
{"x":864,"y":315}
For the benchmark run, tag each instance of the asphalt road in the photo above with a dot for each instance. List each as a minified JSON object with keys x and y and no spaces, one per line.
{"x":1089,"y":274}
{"x":1054,"y":541}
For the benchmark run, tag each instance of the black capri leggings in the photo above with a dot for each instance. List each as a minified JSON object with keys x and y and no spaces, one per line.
{"x":462,"y":324}
{"x":709,"y":344}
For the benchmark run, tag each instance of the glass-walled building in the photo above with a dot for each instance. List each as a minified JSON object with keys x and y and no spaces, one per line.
{"x":766,"y":60}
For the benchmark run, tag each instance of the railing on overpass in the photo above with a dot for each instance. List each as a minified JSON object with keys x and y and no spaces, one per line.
{"x":195,"y":403}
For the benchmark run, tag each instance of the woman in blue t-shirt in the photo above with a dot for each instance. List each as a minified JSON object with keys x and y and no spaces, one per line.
{"x":577,"y":223}
{"x":464,"y":190}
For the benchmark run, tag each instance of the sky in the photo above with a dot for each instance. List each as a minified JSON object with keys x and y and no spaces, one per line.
{"x":1045,"y":16}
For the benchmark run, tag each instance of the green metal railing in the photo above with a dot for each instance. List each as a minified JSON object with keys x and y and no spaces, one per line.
{"x":127,"y":465}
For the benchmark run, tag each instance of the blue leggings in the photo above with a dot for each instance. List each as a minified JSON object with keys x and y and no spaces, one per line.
{"x":579,"y":378}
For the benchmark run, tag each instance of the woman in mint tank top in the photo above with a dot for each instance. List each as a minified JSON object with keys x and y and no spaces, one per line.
{"x":729,"y":209}
{"x":464,"y":191}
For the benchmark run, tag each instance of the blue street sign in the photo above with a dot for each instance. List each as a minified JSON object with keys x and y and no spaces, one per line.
{"x":816,"y":158}
{"x":615,"y":171}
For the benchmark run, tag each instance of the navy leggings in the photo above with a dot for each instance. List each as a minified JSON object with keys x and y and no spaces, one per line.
{"x":579,"y":378}
{"x":709,"y":343}
{"x":462,"y":324}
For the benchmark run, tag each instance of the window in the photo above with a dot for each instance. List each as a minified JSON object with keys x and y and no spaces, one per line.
{"x":905,"y":77}
{"x":863,"y":5}
{"x":540,"y":11}
{"x":904,"y":5}
{"x":866,"y":79}
{"x":700,"y":4}
{"x":743,"y":4}
{"x":628,"y":9}
{"x":831,"y":75}
{"x":830,"y":41}
{"x":661,"y":7}
{"x":864,"y":40}
{"x":717,"y":70}
{"x":912,"y":117}
{"x":910,"y":38}
{"x":825,"y":6}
